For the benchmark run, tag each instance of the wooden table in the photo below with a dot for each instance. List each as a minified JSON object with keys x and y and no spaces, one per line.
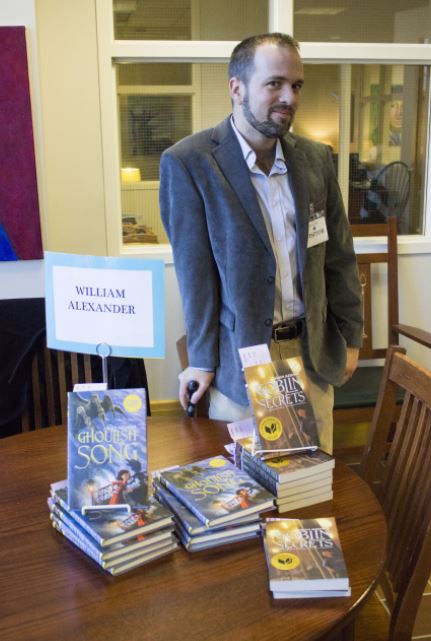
{"x":50,"y":591}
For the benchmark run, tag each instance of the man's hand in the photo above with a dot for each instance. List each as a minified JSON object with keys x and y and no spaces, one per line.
{"x":202,"y":378}
{"x":351,"y":363}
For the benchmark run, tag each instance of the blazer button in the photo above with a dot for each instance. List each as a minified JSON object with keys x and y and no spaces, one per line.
{"x":270,"y":280}
{"x":268,"y":322}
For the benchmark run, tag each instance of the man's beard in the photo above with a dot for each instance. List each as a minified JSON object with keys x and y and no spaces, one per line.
{"x":268,"y":128}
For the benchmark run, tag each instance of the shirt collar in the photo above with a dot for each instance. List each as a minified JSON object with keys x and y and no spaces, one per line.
{"x":279,"y":166}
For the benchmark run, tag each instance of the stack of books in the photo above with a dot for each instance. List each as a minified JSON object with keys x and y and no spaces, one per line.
{"x":214,"y":503}
{"x":296,"y":480}
{"x":103,"y":508}
{"x":116,"y":538}
{"x":305,"y":559}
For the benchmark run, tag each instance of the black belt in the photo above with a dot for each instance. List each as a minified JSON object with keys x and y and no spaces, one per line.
{"x":289,"y":330}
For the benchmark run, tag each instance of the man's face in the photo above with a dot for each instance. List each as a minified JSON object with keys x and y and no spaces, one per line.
{"x":271,"y":95}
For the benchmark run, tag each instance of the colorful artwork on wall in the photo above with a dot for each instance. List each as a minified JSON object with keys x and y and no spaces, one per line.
{"x":20,"y":235}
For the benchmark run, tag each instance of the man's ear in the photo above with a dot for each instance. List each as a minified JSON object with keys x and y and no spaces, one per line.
{"x":236,"y":90}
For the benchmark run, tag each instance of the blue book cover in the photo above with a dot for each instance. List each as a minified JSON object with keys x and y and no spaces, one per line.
{"x":216,"y":491}
{"x":188,"y":521}
{"x":108,"y":527}
{"x":123,"y":552}
{"x":107,"y":448}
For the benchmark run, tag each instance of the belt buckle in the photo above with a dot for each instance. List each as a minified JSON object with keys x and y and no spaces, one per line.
{"x":292,"y":330}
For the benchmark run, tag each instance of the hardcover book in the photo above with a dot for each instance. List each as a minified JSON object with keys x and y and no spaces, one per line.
{"x":216,"y":491}
{"x":295,"y":488}
{"x":109,"y":527}
{"x":288,"y":467}
{"x":188,"y":521}
{"x":283,"y":415}
{"x":123,"y":552}
{"x":107,"y":448}
{"x":218,"y":538}
{"x":312,"y":498}
{"x":304,"y":555}
{"x":168,"y":548}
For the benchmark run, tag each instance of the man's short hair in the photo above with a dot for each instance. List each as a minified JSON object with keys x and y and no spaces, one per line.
{"x":242,"y":58}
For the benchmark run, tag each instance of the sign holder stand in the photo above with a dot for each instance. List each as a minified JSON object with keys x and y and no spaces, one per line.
{"x":104,"y":350}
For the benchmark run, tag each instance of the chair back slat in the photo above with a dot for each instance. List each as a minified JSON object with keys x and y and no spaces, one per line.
{"x":62,"y":386}
{"x":405,"y":489}
{"x":36,"y":388}
{"x":366,"y":275}
{"x":54,"y":373}
{"x":49,"y":386}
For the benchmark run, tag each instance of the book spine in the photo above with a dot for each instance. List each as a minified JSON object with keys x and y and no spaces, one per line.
{"x":76,"y":518}
{"x":261,"y":478}
{"x":260,"y":465}
{"x":77,"y":540}
{"x":71,"y":523}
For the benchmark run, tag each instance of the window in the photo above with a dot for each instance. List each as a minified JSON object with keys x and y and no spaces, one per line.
{"x":189,"y":19}
{"x":369,"y":102}
{"x":365,"y":21}
{"x":158,"y":105}
{"x":386,"y":160}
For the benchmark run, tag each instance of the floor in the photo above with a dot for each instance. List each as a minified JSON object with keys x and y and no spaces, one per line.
{"x":371,"y":626}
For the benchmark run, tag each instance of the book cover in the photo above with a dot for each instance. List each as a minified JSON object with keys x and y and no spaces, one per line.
{"x":312,"y":594}
{"x":220,"y":538}
{"x":216,"y":491}
{"x":107,"y":560}
{"x":143,"y":560}
{"x":107,"y":448}
{"x":72,"y":530}
{"x":112,"y":526}
{"x":283,"y":415}
{"x":188,"y":521}
{"x":304,"y":555}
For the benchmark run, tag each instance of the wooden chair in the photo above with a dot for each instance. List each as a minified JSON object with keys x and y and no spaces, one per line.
{"x":53,"y":374}
{"x":402,"y":480}
{"x":354,"y":402}
{"x":203,"y":405}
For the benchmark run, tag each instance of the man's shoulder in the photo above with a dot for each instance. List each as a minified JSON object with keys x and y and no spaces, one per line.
{"x":307,"y":145}
{"x":201,"y":142}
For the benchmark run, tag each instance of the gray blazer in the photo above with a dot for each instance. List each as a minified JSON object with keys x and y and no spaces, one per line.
{"x":225,"y":264}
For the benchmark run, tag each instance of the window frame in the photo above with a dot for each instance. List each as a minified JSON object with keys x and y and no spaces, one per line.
{"x":280,"y":14}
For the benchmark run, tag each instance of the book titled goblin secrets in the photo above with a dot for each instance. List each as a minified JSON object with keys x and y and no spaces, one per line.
{"x":284,"y":418}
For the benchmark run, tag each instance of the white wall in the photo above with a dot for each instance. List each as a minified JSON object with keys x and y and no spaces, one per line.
{"x":66,"y":113}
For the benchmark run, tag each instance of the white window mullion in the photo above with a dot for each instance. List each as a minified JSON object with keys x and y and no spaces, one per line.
{"x":365,"y":53}
{"x":344,"y":136}
{"x":280,"y":14}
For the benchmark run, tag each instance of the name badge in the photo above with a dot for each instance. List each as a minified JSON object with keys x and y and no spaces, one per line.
{"x":317,"y":231}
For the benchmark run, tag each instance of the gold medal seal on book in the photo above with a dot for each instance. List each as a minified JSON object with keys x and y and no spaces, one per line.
{"x":285,"y":561}
{"x":270,"y":428}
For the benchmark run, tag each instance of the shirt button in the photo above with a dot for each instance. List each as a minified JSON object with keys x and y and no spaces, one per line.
{"x":270,"y":280}
{"x":268,"y":322}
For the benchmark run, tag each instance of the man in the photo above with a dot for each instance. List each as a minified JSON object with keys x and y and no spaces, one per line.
{"x":262,"y":247}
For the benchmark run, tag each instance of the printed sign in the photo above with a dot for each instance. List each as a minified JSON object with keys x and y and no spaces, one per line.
{"x":95,"y":303}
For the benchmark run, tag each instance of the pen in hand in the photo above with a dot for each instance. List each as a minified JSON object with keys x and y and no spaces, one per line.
{"x":192,"y":386}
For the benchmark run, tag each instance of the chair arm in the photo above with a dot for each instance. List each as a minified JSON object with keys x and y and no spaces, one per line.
{"x":419,"y":335}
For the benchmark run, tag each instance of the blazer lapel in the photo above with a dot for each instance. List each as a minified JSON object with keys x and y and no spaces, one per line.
{"x":297,"y":172}
{"x":229,"y":158}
